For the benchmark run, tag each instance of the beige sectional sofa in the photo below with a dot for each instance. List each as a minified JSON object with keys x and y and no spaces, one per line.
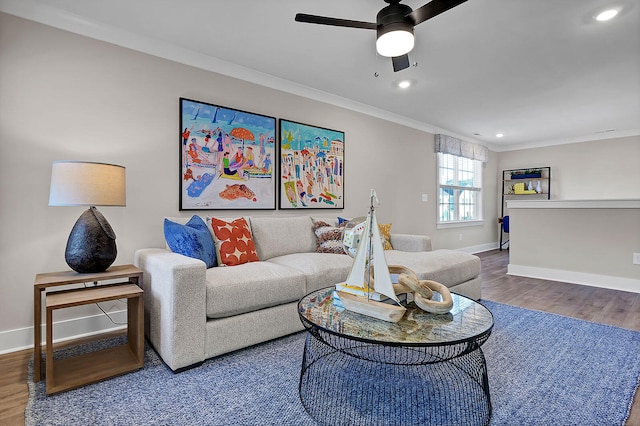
{"x":193,"y":313}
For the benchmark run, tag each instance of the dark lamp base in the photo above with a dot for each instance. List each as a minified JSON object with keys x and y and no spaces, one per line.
{"x":91,"y":246}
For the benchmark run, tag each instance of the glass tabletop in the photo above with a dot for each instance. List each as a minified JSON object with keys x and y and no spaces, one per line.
{"x":467,"y":320}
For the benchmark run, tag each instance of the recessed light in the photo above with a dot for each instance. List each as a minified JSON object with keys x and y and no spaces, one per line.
{"x":499,"y":135}
{"x":606,"y":15}
{"x":404,"y":84}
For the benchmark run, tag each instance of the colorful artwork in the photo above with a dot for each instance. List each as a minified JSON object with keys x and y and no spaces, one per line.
{"x":311,"y":167}
{"x":226,"y":158}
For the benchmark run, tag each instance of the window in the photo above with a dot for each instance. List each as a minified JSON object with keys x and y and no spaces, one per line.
{"x":459,"y":190}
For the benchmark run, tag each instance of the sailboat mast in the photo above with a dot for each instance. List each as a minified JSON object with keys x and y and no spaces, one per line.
{"x":370,"y":248}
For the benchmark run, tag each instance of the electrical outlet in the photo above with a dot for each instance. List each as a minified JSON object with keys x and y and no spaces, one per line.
{"x":636,"y":258}
{"x":460,"y":237}
{"x":425,"y":198}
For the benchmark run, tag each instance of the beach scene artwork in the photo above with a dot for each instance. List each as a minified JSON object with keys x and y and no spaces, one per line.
{"x":311,"y":167}
{"x":227,"y":158}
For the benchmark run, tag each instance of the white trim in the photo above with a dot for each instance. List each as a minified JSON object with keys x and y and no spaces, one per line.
{"x":578,"y":139}
{"x":574,"y":204}
{"x":22,"y":338}
{"x":593,"y":280}
{"x":59,"y":18}
{"x":459,"y":224}
{"x":479,"y":248}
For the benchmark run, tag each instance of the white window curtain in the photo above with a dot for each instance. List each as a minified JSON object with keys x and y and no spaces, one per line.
{"x":454,"y":146}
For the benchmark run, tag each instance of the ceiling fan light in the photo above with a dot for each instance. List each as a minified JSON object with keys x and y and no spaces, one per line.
{"x":606,"y":15}
{"x":395,"y":42}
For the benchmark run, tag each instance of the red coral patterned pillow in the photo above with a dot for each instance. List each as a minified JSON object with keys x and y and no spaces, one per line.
{"x":234,"y":243}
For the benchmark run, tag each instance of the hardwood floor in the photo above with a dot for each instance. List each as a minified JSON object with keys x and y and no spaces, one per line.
{"x":13,"y":387}
{"x":14,"y":391}
{"x":621,"y":309}
{"x":617,"y":308}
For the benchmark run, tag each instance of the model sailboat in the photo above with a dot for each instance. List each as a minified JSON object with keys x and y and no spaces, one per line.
{"x":369,"y":281}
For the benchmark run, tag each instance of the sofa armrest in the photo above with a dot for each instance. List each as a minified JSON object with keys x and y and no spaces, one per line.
{"x":175,"y":305}
{"x":408,"y":242}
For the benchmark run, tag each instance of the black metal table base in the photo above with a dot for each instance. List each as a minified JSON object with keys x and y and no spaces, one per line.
{"x":347,"y":382}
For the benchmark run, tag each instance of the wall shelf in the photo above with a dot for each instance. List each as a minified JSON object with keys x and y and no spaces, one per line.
{"x":522,"y":184}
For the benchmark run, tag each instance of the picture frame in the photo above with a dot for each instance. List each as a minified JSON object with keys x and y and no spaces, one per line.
{"x":226,"y":158}
{"x":311,"y":166}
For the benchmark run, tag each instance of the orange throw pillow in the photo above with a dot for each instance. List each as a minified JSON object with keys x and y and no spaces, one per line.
{"x":234,"y":242}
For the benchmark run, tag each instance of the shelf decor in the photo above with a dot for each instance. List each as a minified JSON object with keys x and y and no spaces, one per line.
{"x":311,"y":167}
{"x":226,"y":158}
{"x":536,"y":187}
{"x":526,"y":174}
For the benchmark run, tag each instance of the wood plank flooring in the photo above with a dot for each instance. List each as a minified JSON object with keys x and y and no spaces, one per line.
{"x":621,"y":309}
{"x":617,"y":308}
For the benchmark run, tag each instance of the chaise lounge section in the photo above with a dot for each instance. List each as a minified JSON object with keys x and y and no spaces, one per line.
{"x":193,"y":313}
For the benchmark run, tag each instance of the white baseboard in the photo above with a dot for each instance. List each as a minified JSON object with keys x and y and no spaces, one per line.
{"x":479,"y":248}
{"x":22,"y":338}
{"x":594,"y":280}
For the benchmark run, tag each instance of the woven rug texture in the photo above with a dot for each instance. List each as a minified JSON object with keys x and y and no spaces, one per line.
{"x":544,"y":369}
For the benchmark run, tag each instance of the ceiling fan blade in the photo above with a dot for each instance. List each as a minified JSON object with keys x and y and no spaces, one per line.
{"x":336,"y":22}
{"x":400,"y":62}
{"x":433,"y":8}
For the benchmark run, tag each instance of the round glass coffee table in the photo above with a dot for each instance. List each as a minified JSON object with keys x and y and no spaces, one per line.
{"x":426,"y":369}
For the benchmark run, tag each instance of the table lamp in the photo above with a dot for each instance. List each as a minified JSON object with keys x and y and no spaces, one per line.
{"x":91,"y":246}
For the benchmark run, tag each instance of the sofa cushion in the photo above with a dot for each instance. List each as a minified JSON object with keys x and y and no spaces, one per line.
{"x":277,"y":236}
{"x":251,"y":286}
{"x":191,"y":239}
{"x":448,"y":267}
{"x":234,"y":242}
{"x":320,"y":269}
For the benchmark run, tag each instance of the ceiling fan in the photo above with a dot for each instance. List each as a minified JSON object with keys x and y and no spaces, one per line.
{"x":394,"y":25}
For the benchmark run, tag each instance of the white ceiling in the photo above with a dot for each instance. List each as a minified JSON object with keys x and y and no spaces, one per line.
{"x":540,"y":71}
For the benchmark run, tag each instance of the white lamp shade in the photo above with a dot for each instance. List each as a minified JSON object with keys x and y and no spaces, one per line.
{"x":395,"y":43}
{"x":79,"y":183}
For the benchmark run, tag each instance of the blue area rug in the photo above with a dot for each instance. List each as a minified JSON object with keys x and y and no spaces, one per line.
{"x":544,"y":369}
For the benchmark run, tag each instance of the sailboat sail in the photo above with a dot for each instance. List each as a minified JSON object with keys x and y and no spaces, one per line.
{"x":370,"y":250}
{"x":356,"y":276}
{"x":370,"y":269}
{"x":382,"y":278}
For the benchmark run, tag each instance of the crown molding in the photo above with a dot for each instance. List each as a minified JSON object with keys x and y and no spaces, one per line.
{"x":586,"y":138}
{"x":58,"y":18}
{"x":64,"y":20}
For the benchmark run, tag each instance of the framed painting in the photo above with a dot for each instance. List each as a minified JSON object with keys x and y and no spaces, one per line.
{"x":226,"y":158}
{"x":311,"y":167}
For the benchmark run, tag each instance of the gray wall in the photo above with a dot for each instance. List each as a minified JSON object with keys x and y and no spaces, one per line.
{"x":595,"y":170}
{"x":66,"y":96}
{"x":597,"y":241}
{"x":580,"y":245}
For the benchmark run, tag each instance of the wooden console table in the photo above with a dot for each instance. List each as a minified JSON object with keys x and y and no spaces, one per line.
{"x":92,"y":367}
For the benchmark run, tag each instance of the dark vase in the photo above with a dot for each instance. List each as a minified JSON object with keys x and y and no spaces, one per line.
{"x":91,"y":246}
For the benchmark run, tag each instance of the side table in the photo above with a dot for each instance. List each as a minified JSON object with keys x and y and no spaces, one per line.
{"x":94,"y":366}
